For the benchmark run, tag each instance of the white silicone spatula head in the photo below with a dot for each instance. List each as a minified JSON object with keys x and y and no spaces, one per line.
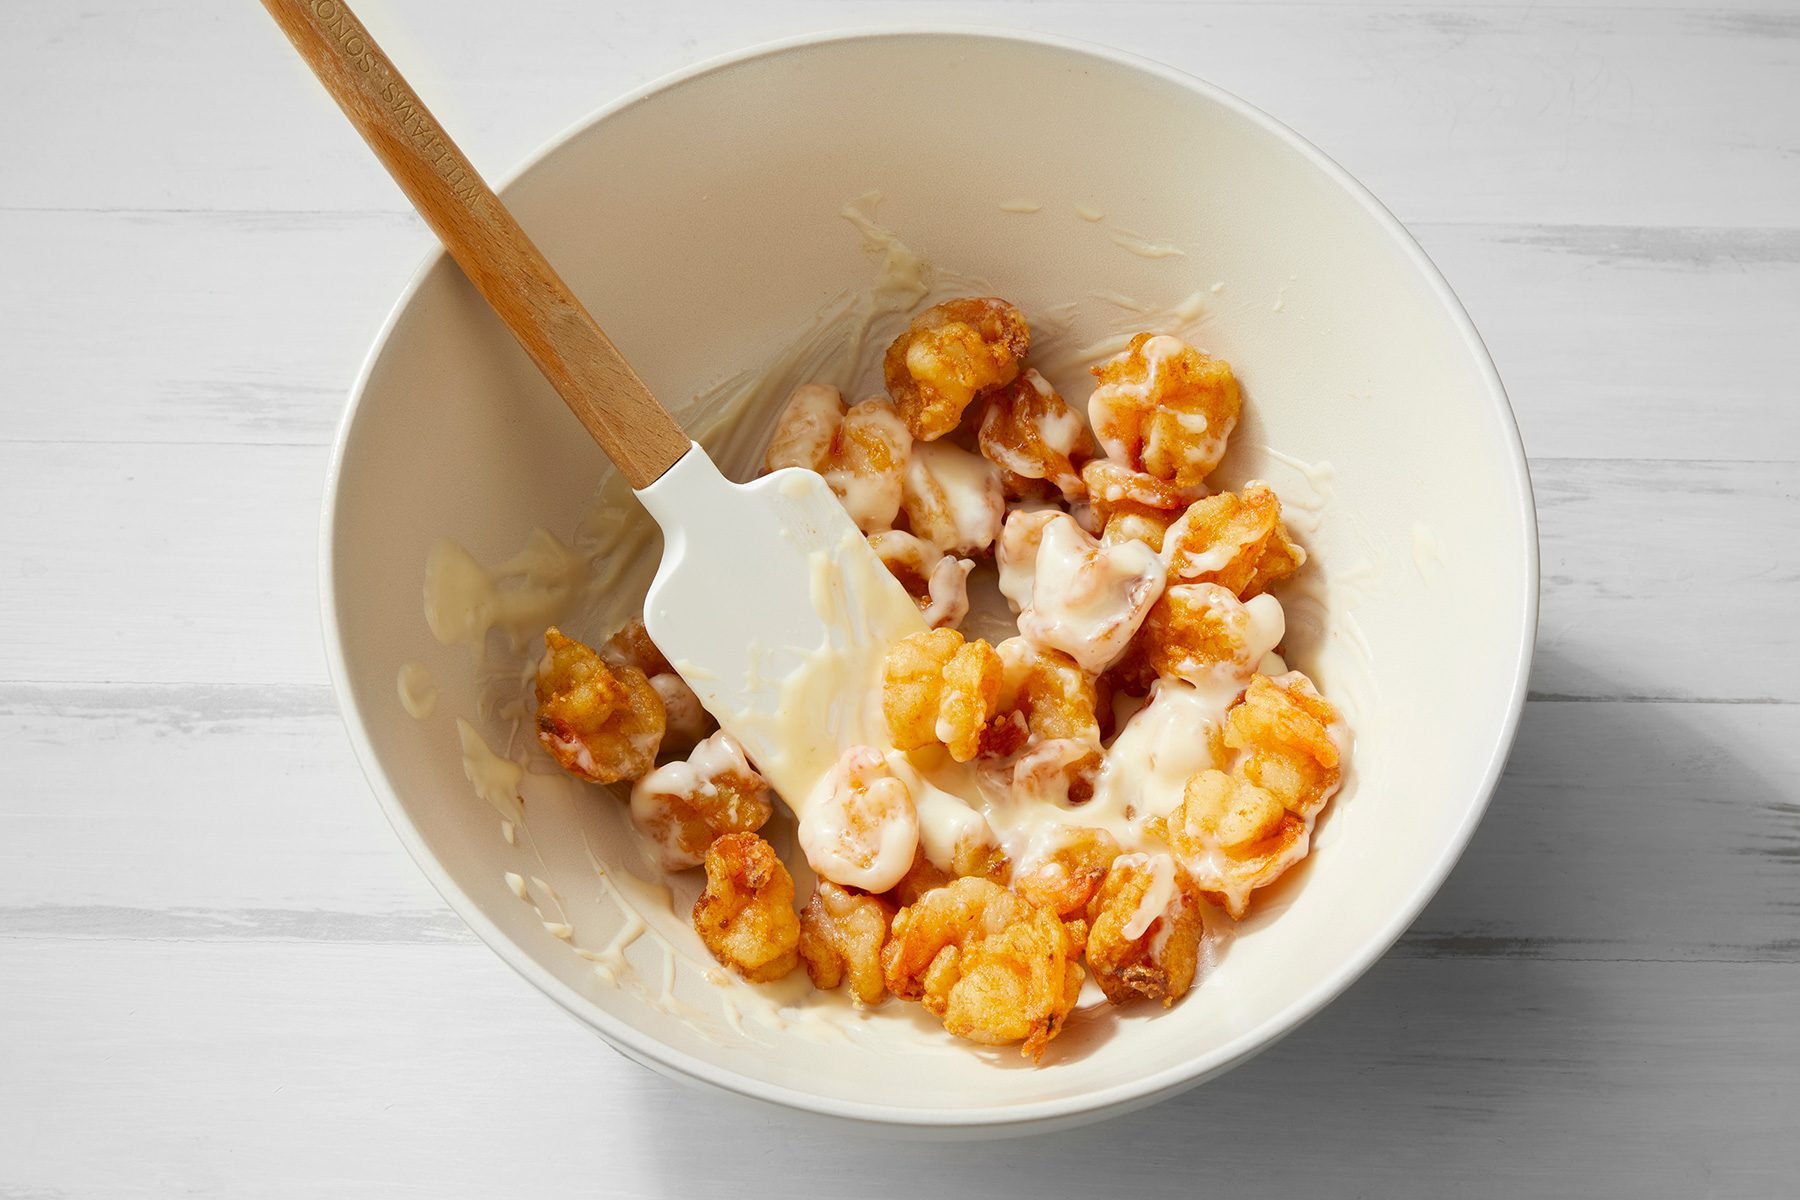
{"x":772,"y":606}
{"x":768,"y":599}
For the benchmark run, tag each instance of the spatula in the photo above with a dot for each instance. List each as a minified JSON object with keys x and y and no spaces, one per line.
{"x":768,"y":600}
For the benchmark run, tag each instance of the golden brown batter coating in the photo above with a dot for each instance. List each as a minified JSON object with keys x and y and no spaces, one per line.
{"x":746,"y":914}
{"x":995,"y":968}
{"x":1201,"y":633}
{"x":951,"y":354}
{"x":1029,"y":431}
{"x":683,"y":806}
{"x":1284,"y":727}
{"x":1235,"y":540}
{"x":937,"y":688}
{"x":1164,"y":408}
{"x":599,"y":722}
{"x":1144,"y":930}
{"x":841,"y":936}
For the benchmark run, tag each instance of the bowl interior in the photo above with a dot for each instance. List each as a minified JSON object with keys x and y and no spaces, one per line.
{"x":702,"y":225}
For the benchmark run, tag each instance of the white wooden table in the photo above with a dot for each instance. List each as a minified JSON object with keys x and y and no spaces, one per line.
{"x":219,"y":973}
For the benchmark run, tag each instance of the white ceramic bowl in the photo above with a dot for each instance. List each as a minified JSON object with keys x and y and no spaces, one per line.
{"x":699,"y":219}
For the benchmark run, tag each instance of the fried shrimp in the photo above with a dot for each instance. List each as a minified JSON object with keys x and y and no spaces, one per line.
{"x":1015,"y":554}
{"x":866,"y":463}
{"x":972,"y":858}
{"x":1051,"y":693}
{"x":746,"y":913}
{"x":599,"y":722}
{"x":1234,"y":837}
{"x":1129,"y":504}
{"x":994,"y":967}
{"x":860,"y":827}
{"x":937,"y":582}
{"x":948,"y":356}
{"x":1031,"y":433}
{"x":1144,"y":930}
{"x":1044,"y":746}
{"x":952,"y":498}
{"x":685,"y":721}
{"x":1288,"y":733}
{"x":682,"y":806}
{"x":1235,"y":540}
{"x":937,"y":688}
{"x":841,"y":935}
{"x":1238,"y":832}
{"x":1072,"y":797}
{"x":1087,"y":600}
{"x":1065,"y":868}
{"x":861,"y":451}
{"x":630,"y":646}
{"x":1201,"y":633}
{"x":805,"y":428}
{"x":1164,"y":408}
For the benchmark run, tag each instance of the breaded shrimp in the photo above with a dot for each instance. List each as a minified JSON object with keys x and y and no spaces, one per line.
{"x":948,"y":356}
{"x":746,"y":914}
{"x":682,"y":806}
{"x":993,"y":966}
{"x":1166,"y":409}
{"x":1144,"y":930}
{"x":841,"y":936}
{"x":600,"y":723}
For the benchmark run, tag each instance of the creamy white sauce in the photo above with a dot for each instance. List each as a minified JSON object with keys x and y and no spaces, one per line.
{"x":464,"y":600}
{"x":1319,"y":476}
{"x":1087,"y":600}
{"x":1157,"y":898}
{"x":904,"y":278}
{"x":557,"y":924}
{"x":1044,"y":773}
{"x":1143,"y":775}
{"x":860,"y":827}
{"x":1142,"y":246}
{"x":1281,"y":295}
{"x":1020,"y":206}
{"x":1016,"y":553}
{"x":953,"y":497}
{"x":872,"y":498}
{"x":1088,"y":212}
{"x":495,"y":779}
{"x":947,"y":588}
{"x":696,"y":776}
{"x":948,"y":822}
{"x":417,"y":689}
{"x":1054,"y":355}
{"x":1164,"y":744}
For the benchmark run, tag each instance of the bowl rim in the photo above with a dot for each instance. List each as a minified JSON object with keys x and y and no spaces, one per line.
{"x":1032,"y":1116}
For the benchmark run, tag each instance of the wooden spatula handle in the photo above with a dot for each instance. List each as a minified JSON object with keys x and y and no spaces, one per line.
{"x":636,"y":432}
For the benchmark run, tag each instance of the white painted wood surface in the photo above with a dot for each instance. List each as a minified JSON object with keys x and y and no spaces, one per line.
{"x":219,"y":974}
